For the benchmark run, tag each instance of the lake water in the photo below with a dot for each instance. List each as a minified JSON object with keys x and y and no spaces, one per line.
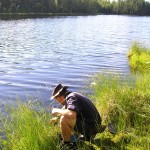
{"x":36,"y":54}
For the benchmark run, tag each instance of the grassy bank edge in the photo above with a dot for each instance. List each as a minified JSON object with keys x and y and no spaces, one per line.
{"x":139,"y":58}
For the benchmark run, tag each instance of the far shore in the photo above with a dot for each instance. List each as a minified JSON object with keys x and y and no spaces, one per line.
{"x":41,"y":15}
{"x":6,"y":16}
{"x":48,"y":14}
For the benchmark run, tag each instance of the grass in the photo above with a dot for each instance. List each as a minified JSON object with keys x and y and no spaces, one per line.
{"x":123,"y":101}
{"x":139,"y":58}
{"x":126,"y":103}
{"x":27,"y":129}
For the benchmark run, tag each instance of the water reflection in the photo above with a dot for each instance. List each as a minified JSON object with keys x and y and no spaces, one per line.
{"x":38,"y":52}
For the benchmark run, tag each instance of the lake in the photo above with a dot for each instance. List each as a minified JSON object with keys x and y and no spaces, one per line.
{"x":38,"y":53}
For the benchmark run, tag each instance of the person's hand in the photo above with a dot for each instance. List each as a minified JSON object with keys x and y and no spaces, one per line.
{"x":54,"y":120}
{"x":54,"y":112}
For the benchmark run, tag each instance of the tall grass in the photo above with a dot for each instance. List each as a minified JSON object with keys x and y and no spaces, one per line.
{"x":125,"y":103}
{"x":27,"y":129}
{"x":139,"y":58}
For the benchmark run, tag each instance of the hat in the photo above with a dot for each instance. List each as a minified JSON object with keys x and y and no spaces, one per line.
{"x":57,"y":90}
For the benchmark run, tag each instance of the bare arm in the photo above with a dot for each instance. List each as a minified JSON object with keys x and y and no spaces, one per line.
{"x":64,"y":112}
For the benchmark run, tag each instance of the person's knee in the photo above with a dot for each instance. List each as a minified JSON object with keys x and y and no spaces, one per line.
{"x":63,"y":120}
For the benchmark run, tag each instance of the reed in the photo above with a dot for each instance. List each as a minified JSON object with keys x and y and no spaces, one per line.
{"x":25,"y":128}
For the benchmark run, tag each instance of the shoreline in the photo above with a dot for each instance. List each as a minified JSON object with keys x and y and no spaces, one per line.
{"x":5,"y":16}
{"x":40,"y":15}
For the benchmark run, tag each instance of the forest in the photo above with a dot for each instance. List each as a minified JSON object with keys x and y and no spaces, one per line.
{"x":126,"y":7}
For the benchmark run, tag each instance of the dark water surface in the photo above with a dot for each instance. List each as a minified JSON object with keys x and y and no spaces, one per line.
{"x":36,"y":54}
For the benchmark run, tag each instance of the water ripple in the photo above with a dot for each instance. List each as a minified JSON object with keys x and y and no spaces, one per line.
{"x":36,"y":54}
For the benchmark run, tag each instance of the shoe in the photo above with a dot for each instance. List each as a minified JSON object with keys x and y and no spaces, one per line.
{"x":60,"y":137}
{"x":73,"y":138}
{"x":68,"y":146}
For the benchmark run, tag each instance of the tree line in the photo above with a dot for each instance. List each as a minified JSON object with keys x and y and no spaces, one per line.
{"x":129,"y":7}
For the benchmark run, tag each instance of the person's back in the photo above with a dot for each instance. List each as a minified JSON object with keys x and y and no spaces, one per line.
{"x":88,"y":118}
{"x":85,"y":108}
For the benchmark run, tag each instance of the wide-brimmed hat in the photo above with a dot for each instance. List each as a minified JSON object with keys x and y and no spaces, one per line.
{"x":57,"y":90}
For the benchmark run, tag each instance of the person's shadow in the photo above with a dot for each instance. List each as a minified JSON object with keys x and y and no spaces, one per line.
{"x":106,"y":144}
{"x":102,"y":144}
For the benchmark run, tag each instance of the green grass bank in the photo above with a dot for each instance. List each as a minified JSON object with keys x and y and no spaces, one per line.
{"x":139,"y":58}
{"x":124,"y":101}
{"x":25,"y":128}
